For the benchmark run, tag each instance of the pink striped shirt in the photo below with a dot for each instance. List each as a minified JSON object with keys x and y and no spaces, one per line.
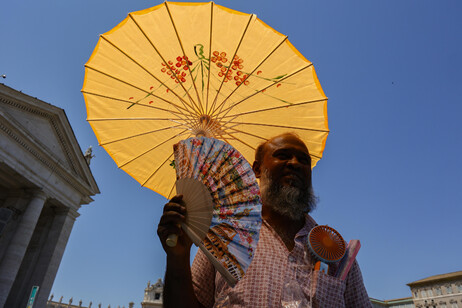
{"x":277,"y":275}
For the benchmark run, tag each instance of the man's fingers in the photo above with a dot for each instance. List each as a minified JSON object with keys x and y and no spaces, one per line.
{"x":170,"y":224}
{"x":176,"y":204}
{"x":164,"y":231}
{"x":175,"y":207}
{"x":177,"y":199}
{"x":171,"y":217}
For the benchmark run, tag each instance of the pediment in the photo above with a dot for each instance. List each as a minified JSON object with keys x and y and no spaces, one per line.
{"x":39,"y":127}
{"x":45,"y":127}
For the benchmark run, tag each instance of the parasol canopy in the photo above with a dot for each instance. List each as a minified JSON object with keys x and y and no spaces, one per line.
{"x":178,"y":70}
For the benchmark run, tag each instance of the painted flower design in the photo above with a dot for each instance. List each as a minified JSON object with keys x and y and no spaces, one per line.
{"x":177,"y":70}
{"x":229,"y":68}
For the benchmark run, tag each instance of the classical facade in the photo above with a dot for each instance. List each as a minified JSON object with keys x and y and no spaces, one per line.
{"x":153,"y":295}
{"x":44,"y":180}
{"x":441,"y":291}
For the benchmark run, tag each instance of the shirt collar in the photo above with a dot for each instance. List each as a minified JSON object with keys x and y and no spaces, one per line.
{"x":310,"y":223}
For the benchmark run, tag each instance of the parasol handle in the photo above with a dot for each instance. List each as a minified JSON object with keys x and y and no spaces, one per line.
{"x":171,"y":240}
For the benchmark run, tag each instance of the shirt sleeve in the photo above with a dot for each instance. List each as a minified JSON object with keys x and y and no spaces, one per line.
{"x":203,"y":277}
{"x":355,"y":292}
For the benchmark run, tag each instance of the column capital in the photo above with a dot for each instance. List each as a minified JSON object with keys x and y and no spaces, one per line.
{"x":38,"y":193}
{"x":67,"y":211}
{"x":73,"y":213}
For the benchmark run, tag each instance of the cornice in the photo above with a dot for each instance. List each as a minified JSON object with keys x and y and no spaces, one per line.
{"x":437,"y":279}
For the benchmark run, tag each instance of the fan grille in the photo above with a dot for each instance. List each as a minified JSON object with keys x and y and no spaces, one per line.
{"x":326,"y":244}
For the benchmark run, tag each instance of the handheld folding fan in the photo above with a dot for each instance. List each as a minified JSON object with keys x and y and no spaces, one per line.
{"x":327,"y":245}
{"x":222,"y":202}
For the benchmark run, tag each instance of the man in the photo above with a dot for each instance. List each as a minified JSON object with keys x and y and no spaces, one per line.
{"x":281,"y":272}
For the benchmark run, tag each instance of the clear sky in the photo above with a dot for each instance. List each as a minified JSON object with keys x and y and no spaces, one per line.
{"x":391,"y":172}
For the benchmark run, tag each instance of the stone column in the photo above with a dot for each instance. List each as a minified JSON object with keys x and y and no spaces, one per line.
{"x":17,"y":201}
{"x":17,"y":247}
{"x":65,"y":220}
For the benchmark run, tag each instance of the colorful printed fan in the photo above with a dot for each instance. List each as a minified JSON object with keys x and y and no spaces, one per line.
{"x":229,"y":241}
{"x":200,"y":207}
{"x":327,"y":245}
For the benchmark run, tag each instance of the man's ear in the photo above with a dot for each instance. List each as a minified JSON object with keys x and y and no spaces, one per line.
{"x":256,"y":169}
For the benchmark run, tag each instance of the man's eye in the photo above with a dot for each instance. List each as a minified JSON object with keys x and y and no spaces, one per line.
{"x":282,"y":155}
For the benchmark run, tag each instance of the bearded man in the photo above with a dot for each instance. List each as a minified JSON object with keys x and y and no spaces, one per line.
{"x":282,"y":271}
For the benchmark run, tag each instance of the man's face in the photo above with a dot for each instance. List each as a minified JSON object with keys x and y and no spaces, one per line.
{"x":288,"y":162}
{"x":285,"y":177}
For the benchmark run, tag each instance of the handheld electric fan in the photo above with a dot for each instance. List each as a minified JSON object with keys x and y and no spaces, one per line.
{"x":327,"y":245}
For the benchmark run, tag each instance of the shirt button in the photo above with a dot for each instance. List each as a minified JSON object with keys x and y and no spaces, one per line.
{"x":291,"y":259}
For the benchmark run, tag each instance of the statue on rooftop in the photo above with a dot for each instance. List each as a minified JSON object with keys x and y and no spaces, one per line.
{"x":89,"y":154}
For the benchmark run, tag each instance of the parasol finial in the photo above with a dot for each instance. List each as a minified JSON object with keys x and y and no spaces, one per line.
{"x":206,"y":127}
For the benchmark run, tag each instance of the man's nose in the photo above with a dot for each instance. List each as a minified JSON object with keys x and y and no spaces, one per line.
{"x":293,"y":161}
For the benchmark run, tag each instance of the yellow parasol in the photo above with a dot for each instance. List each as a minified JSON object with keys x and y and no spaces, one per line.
{"x":183,"y":69}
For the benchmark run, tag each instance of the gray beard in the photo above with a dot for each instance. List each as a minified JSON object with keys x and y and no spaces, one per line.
{"x":289,"y":201}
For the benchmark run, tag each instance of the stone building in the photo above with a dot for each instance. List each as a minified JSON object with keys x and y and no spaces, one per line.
{"x":441,"y":291}
{"x":153,"y":295}
{"x":406,"y":302}
{"x":44,"y":180}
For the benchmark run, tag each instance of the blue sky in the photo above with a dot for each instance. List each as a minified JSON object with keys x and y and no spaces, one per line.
{"x":391,"y":172}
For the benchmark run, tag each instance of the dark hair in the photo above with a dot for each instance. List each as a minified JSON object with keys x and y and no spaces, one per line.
{"x":260,"y":150}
